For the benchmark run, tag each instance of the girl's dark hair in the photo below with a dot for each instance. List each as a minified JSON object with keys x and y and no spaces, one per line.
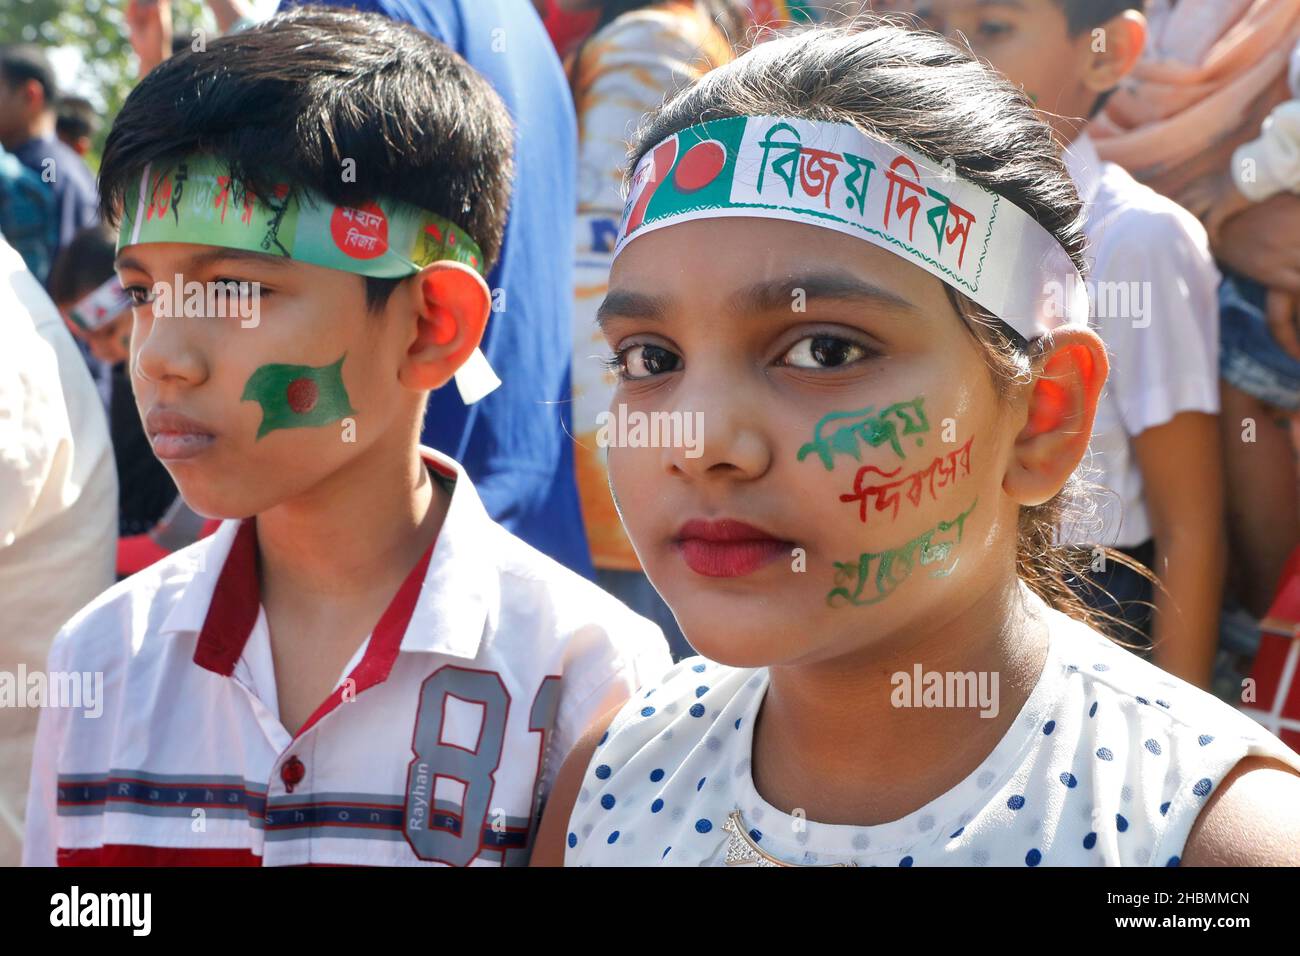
{"x":914,"y":88}
{"x":83,"y":264}
{"x":302,"y":92}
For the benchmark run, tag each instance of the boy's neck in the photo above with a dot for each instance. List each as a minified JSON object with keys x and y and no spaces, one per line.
{"x":358,"y":532}
{"x":830,"y":740}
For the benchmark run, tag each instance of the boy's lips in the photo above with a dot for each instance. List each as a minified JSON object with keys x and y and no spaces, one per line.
{"x":175,"y":436}
{"x":727,"y":548}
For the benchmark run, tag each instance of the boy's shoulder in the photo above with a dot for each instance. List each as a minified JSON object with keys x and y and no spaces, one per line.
{"x":129,"y":616}
{"x":1132,"y":215}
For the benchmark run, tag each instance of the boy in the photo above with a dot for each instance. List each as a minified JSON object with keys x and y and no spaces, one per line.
{"x":344,"y":180}
{"x":1155,"y":447}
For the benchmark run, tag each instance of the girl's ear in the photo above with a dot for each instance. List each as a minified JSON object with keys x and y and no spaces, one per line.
{"x":1062,"y":403}
{"x":451,"y":306}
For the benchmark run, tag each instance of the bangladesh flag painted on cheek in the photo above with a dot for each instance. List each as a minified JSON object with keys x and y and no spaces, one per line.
{"x":298,"y":396}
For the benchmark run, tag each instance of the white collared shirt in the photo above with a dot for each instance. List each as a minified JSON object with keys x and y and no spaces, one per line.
{"x":437,"y":746}
{"x":1155,"y":305}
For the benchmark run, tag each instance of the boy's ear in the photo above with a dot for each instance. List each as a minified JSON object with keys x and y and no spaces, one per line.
{"x":1113,"y":50}
{"x":451,"y":303}
{"x":1062,"y":403}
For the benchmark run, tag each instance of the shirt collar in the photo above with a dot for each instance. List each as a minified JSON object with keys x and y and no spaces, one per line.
{"x":442,"y":610}
{"x":1083,"y":163}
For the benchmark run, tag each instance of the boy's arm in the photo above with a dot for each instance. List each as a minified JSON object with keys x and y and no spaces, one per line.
{"x":1182,"y":478}
{"x":551,"y":835}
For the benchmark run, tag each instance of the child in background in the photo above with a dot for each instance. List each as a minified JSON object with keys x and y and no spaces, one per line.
{"x":77,"y":123}
{"x":1155,"y":454}
{"x":359,"y":666}
{"x":850,"y":252}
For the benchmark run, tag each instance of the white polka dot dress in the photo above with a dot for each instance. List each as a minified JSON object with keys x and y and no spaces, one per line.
{"x":1108,"y":764}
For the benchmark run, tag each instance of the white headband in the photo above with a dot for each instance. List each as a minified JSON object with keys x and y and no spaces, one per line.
{"x":834,"y":176}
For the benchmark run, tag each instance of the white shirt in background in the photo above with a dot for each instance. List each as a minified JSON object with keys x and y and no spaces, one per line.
{"x":1149,"y":252}
{"x":58,"y":509}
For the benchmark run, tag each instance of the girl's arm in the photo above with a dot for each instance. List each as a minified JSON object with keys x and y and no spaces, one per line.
{"x":1182,"y":475}
{"x":551,"y":835}
{"x":1252,"y":819}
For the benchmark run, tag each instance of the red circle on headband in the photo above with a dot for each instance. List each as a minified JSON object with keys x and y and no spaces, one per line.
{"x":701,"y":165}
{"x":360,"y":232}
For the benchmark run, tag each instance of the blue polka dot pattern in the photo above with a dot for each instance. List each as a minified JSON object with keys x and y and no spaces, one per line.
{"x":756,"y":834}
{"x":1100,"y":667}
{"x":905,"y":861}
{"x":738,"y":720}
{"x":656,"y":776}
{"x":1153,"y":745}
{"x":1173,"y":861}
{"x":613,"y":837}
{"x":1204,"y":739}
{"x":1033,"y":858}
{"x":1090,"y":841}
{"x":957,"y":834}
{"x":607,"y":801}
{"x":573,"y":840}
{"x":1120,"y":823}
{"x":700,"y":786}
{"x":647,"y":711}
{"x":1069,"y":780}
{"x":1103,"y":753}
{"x":1016,"y":802}
{"x":697,"y":710}
{"x":666,"y":849}
{"x":703,"y":826}
{"x":603,"y":738}
{"x":701,"y":691}
{"x":1202,"y":787}
{"x":603,"y":772}
{"x":1143,"y":700}
{"x":656,"y":806}
{"x":1092,"y":711}
{"x":1049,"y":727}
{"x":1164,"y":808}
{"x":698,"y":668}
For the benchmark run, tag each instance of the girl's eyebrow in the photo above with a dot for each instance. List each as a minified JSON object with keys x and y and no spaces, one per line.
{"x":776,"y":295}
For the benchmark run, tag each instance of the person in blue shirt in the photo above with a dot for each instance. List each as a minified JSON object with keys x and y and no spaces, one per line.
{"x":515,"y":443}
{"x":28,"y":95}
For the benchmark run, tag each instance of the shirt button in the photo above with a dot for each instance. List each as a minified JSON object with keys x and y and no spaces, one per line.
{"x":291,"y":773}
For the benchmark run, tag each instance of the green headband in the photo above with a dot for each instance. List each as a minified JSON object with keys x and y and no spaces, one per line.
{"x":194,"y":199}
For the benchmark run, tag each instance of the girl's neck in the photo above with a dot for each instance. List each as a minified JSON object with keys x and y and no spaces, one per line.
{"x":830,"y":740}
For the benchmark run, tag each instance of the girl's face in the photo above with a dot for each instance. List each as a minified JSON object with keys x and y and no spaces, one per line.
{"x":848,"y":418}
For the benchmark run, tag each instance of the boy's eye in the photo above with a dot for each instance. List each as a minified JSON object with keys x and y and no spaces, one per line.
{"x":993,"y":29}
{"x":139,"y":295}
{"x":823,"y":351}
{"x":643,"y":361}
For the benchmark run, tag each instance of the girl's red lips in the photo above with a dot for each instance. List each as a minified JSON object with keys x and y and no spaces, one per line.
{"x":727,"y":548}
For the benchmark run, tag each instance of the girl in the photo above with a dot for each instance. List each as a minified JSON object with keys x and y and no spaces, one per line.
{"x":856,"y":255}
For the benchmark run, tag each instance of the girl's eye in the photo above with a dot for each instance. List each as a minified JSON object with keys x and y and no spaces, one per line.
{"x":823,"y":351}
{"x":643,"y":361}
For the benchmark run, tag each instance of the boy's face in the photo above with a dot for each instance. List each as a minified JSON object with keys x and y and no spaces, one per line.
{"x":268,"y":410}
{"x":1027,"y":41}
{"x":819,"y":368}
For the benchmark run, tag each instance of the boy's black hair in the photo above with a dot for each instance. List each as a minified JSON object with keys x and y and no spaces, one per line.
{"x":300,"y":93}
{"x":83,"y":264}
{"x":1083,"y":15}
{"x":20,"y":62}
{"x":77,"y":117}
